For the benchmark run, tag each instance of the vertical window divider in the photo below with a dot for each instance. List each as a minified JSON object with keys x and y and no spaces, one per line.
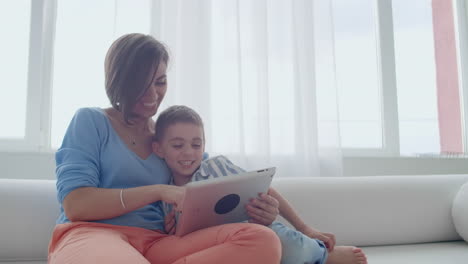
{"x":386,"y":55}
{"x":461,"y":27}
{"x":38,"y":113}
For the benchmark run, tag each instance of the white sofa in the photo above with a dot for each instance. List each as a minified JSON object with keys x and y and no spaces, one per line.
{"x":396,"y":219}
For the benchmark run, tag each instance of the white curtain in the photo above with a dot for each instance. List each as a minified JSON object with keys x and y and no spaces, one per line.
{"x":260,"y":73}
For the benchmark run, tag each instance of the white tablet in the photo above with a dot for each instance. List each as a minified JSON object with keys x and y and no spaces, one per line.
{"x":220,"y":200}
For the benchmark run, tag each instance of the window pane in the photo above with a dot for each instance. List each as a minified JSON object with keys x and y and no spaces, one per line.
{"x":14,"y":51}
{"x":357,"y":73}
{"x":229,"y":74}
{"x":416,"y":79}
{"x":85,"y":30}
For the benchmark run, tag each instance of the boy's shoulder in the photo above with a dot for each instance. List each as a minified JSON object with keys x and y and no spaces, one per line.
{"x":218,"y":158}
{"x":214,"y":167}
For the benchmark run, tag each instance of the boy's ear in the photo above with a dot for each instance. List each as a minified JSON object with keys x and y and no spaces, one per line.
{"x":157,"y":149}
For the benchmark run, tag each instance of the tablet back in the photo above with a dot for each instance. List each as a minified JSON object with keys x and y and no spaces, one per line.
{"x":220,"y":200}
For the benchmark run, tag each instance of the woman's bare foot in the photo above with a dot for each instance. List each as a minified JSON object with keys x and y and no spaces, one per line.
{"x":346,"y":255}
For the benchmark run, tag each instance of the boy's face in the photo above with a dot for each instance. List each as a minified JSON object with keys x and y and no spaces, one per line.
{"x":182,"y":148}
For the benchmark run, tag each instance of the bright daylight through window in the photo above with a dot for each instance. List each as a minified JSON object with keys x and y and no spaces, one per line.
{"x":368,"y":69}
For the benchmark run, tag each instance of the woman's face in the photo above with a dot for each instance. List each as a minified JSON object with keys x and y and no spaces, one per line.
{"x":147,"y":105}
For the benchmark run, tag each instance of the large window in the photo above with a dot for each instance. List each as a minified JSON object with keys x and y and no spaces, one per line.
{"x":384,"y":54}
{"x":386,"y":76}
{"x":416,"y":77}
{"x":90,"y":26}
{"x":357,"y":70}
{"x":14,"y":51}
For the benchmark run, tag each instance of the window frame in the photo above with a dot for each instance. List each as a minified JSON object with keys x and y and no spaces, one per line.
{"x":40,"y":76}
{"x":461,"y":27}
{"x":387,"y":87}
{"x":388,"y":84}
{"x":39,"y":83}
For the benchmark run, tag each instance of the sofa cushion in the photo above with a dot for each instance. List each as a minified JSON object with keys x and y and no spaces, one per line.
{"x":427,"y":253}
{"x":374,"y":211}
{"x":460,"y":212}
{"x":359,"y":210}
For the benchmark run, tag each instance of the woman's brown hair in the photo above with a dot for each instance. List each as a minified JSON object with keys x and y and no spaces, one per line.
{"x":130,"y":66}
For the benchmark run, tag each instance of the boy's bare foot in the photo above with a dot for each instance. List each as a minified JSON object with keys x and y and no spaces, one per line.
{"x":346,"y":255}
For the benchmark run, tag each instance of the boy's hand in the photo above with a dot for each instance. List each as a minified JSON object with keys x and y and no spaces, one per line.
{"x":170,"y":223}
{"x":263,"y":210}
{"x":327,"y":238}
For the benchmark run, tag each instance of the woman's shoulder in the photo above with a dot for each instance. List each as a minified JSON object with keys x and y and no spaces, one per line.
{"x":88,"y":121}
{"x":90,"y":112}
{"x":89,"y":115}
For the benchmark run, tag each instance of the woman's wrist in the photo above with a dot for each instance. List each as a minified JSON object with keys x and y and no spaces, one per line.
{"x":130,"y":199}
{"x":169,"y":193}
{"x":159,"y":192}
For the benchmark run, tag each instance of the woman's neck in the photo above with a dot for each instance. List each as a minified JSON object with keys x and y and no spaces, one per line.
{"x":139,"y":125}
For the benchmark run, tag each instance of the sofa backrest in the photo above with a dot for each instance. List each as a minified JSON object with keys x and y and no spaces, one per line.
{"x":358,"y":210}
{"x":383,"y":210}
{"x":28,"y":209}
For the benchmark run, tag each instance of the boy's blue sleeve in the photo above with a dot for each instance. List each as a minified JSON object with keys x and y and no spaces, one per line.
{"x":77,"y":160}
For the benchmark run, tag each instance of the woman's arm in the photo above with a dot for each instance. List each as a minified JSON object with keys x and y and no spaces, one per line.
{"x":90,"y":203}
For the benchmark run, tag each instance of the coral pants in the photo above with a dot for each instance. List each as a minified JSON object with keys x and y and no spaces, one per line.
{"x":88,"y":242}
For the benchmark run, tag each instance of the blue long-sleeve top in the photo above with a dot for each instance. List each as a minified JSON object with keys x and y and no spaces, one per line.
{"x":93,"y":155}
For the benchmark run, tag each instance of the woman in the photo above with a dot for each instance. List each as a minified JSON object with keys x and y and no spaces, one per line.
{"x":109,"y":182}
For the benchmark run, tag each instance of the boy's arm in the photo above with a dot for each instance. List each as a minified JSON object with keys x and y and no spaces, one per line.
{"x":288,"y":213}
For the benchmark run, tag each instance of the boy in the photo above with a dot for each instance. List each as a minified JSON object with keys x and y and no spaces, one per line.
{"x":180,"y":141}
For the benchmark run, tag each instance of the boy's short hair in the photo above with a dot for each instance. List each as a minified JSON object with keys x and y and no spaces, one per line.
{"x":173,"y":115}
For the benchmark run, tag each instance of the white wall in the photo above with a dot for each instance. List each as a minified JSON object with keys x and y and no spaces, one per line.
{"x":370,"y":166}
{"x":42,"y":165}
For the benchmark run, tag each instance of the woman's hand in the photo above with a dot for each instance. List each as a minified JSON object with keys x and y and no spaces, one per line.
{"x":263,"y":210}
{"x":170,"y":223}
{"x":327,"y":238}
{"x":173,"y":195}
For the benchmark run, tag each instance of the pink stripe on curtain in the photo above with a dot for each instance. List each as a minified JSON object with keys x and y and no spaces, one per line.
{"x":448,"y":97}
